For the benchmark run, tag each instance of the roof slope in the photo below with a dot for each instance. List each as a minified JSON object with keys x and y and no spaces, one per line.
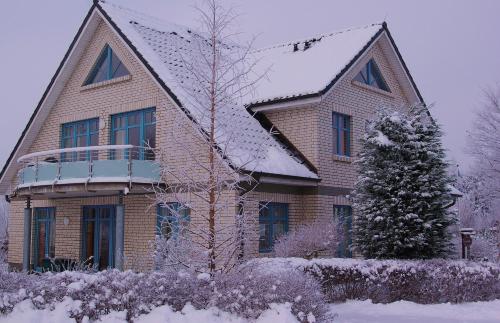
{"x":308,"y":66}
{"x":165,"y":46}
{"x":298,"y":69}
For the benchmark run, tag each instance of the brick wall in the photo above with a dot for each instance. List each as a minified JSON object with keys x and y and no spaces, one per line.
{"x":181,"y":143}
{"x":309,"y":129}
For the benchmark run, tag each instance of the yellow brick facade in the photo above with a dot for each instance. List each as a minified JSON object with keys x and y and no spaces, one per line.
{"x":308,"y":128}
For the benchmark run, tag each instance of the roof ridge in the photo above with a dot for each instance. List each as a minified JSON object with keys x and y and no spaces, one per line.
{"x":316,"y":37}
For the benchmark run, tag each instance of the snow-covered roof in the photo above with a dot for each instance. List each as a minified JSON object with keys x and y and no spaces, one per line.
{"x":165,"y":47}
{"x":308,"y":66}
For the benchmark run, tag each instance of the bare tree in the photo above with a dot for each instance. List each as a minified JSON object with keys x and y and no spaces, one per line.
{"x":484,"y":144}
{"x":206,"y":220}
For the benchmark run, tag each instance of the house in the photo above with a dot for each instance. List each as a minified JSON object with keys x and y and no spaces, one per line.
{"x":79,"y":177}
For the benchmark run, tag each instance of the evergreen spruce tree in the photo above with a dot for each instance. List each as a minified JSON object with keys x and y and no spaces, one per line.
{"x":402,"y":192}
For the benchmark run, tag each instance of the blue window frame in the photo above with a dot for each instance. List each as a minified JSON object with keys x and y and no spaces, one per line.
{"x":108,"y":66}
{"x":171,"y":219}
{"x":343,"y":215}
{"x":44,"y":239}
{"x":82,"y":133}
{"x":98,"y":236}
{"x":137,"y":128}
{"x":341,"y":125}
{"x":370,"y":75}
{"x":273,"y":222}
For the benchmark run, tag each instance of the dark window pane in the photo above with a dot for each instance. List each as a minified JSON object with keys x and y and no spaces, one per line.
{"x":134,"y":119}
{"x":104,"y":244}
{"x":52,"y":240}
{"x":68,"y":142}
{"x":342,"y":213}
{"x":101,"y":71}
{"x":94,"y":125}
{"x":89,"y":240}
{"x":341,"y":134}
{"x":117,"y":67}
{"x":81,"y":128}
{"x":264,"y":236}
{"x":150,"y":136}
{"x":119,"y":122}
{"x":135,"y":140}
{"x":67,"y":131}
{"x":41,"y":242}
{"x":150,"y":117}
{"x":278,"y":229}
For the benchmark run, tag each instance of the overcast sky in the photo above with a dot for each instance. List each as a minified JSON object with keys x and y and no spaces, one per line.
{"x":452,"y":48}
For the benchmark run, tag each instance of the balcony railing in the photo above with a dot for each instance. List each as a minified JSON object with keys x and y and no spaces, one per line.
{"x":95,"y":164}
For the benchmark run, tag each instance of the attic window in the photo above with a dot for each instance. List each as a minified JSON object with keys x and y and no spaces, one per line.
{"x":370,"y":75}
{"x":108,"y":66}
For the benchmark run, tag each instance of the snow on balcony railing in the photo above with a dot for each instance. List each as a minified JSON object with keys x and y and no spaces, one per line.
{"x":98,"y":164}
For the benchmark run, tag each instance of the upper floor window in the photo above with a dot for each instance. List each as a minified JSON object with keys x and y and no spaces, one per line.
{"x":343,"y":215}
{"x":273,"y":222}
{"x":137,"y":128}
{"x":370,"y":75}
{"x":341,"y":124}
{"x":171,"y":219}
{"x":83,"y":133}
{"x":108,"y":66}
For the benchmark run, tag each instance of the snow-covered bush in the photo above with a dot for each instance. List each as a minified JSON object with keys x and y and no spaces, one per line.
{"x":433,"y":281}
{"x":309,"y":240}
{"x":245,"y":292}
{"x":249,"y":292}
{"x":4,"y":245}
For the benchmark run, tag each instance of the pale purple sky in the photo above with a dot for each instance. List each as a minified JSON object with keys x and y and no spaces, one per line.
{"x":452,"y":48}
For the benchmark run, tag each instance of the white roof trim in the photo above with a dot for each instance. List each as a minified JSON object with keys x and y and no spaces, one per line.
{"x":299,"y":103}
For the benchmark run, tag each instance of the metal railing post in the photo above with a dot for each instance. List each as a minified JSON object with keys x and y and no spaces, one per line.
{"x":36,"y":170}
{"x":59,"y":169}
{"x":129,"y":162}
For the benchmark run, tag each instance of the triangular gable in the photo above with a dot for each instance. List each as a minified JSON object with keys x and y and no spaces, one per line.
{"x":356,"y":52}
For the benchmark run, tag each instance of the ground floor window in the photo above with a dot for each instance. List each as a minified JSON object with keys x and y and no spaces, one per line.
{"x":273,"y":222}
{"x":171,"y":218}
{"x":44,"y":239}
{"x":98,"y":236}
{"x":343,"y":215}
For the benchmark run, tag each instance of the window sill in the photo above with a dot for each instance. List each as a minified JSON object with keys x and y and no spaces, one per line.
{"x":373,"y":89}
{"x":345,"y":159}
{"x":106,"y":83}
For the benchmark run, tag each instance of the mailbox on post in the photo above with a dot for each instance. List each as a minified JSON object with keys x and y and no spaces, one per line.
{"x":466,"y":234}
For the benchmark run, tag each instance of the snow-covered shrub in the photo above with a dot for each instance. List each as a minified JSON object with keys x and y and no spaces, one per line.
{"x":433,"y":281}
{"x":4,"y":245}
{"x":245,"y":292}
{"x":249,"y":291}
{"x":309,"y":240}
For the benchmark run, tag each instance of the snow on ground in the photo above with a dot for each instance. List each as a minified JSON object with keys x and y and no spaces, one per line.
{"x":25,"y":313}
{"x":409,"y":312}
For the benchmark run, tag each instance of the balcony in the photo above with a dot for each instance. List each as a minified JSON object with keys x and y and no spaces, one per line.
{"x":88,"y":166}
